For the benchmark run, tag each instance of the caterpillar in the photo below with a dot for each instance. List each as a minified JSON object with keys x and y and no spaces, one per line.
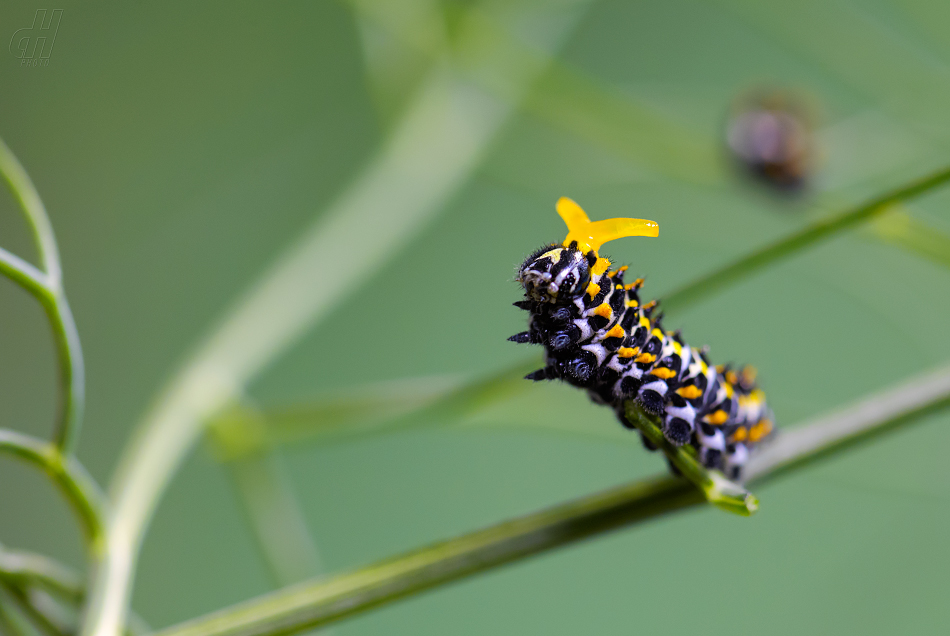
{"x":599,"y":336}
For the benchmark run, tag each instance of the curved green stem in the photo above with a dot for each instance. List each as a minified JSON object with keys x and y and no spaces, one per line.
{"x":69,"y":476}
{"x":71,"y":370}
{"x":29,"y":199}
{"x":24,"y":274}
{"x":30,"y":610}
{"x":25,"y":569}
{"x":47,"y":287}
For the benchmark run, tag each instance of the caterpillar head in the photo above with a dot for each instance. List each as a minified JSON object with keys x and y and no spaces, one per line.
{"x":560,"y":273}
{"x":555,"y":273}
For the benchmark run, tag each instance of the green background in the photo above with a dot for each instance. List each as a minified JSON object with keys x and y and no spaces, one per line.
{"x":179,"y":148}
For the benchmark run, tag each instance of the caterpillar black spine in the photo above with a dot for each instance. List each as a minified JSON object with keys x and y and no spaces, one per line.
{"x":599,"y":336}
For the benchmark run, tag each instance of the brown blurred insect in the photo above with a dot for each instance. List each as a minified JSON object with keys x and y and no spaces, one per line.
{"x":770,"y":136}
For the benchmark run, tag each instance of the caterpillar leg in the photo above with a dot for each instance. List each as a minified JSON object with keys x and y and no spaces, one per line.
{"x":652,"y":396}
{"x":547,"y":373}
{"x":680,"y":421}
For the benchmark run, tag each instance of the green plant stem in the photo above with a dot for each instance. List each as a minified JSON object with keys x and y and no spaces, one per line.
{"x":267,"y":495}
{"x":10,"y":621}
{"x":820,"y":230}
{"x":48,"y":289}
{"x":23,"y":274}
{"x":843,"y":428}
{"x":25,"y":569}
{"x":366,"y":410}
{"x":318,"y":603}
{"x":29,"y":199}
{"x":569,"y":99}
{"x":718,"y":490}
{"x":301,"y":607}
{"x":38,"y":618}
{"x":78,"y":487}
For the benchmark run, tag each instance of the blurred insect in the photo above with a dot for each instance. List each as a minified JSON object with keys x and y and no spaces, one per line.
{"x":599,"y":336}
{"x":770,"y":138}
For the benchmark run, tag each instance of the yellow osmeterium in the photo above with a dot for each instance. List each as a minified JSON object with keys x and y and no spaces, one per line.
{"x":590,"y":235}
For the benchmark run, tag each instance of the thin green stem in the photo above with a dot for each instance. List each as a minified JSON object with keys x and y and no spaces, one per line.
{"x":24,"y":274}
{"x":48,"y":289}
{"x":37,"y":617}
{"x":29,"y":199}
{"x":71,"y":369}
{"x":373,"y":409}
{"x":25,"y":569}
{"x":302,"y":607}
{"x":566,"y":97}
{"x":818,"y":231}
{"x":318,"y":603}
{"x":718,"y":490}
{"x":269,"y":501}
{"x":843,"y":428}
{"x":10,"y":621}
{"x":78,"y":487}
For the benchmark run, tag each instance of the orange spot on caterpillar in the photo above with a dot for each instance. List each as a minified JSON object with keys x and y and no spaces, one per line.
{"x":592,"y":290}
{"x":664,"y":373}
{"x":601,"y":266}
{"x":604,"y":310}
{"x":616,"y":332}
{"x":627,"y":352}
{"x":619,"y":270}
{"x":716,"y":418}
{"x":760,"y":430}
{"x":645,"y":358}
{"x":690,"y":392}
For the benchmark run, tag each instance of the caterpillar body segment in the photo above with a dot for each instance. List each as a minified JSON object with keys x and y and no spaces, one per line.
{"x":598,"y":335}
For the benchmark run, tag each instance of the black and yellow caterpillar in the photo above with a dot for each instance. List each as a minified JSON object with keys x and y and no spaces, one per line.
{"x":598,"y":335}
